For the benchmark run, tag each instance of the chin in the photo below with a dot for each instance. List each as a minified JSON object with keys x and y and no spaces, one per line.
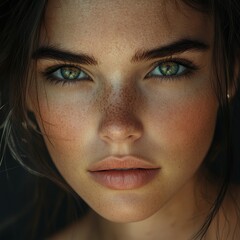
{"x":122,"y":212}
{"x":126,"y":217}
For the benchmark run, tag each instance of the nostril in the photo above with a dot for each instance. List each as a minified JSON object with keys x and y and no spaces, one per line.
{"x":113,"y":131}
{"x":133,"y":136}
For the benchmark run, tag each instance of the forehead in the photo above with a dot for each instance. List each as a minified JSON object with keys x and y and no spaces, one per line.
{"x":94,"y":24}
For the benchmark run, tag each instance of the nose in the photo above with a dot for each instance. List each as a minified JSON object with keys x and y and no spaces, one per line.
{"x":120,"y":130}
{"x":119,"y":124}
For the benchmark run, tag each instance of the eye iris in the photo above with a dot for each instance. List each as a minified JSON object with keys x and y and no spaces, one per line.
{"x":169,"y":68}
{"x":70,"y":73}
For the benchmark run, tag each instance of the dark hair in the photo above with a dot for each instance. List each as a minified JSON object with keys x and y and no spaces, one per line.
{"x":21,"y":22}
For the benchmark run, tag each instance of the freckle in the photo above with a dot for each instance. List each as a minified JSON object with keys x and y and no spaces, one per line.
{"x":103,"y":100}
{"x":120,"y":105}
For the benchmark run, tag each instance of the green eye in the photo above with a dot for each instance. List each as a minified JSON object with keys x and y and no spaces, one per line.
{"x":68,"y":73}
{"x":168,"y":69}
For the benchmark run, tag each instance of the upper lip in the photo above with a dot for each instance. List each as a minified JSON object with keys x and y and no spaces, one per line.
{"x":123,"y":163}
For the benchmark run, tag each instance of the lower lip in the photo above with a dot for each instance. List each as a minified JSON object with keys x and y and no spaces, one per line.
{"x":124,"y":179}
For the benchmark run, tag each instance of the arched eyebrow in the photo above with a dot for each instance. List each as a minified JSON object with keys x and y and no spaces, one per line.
{"x":170,"y":49}
{"x":52,"y":52}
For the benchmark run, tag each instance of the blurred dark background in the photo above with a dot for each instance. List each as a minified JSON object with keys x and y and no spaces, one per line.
{"x":16,"y":199}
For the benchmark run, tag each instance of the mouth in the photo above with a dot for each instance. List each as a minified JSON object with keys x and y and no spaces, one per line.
{"x":123,"y":173}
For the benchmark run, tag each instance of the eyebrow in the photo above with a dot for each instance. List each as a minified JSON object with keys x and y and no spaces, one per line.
{"x":51,"y":52}
{"x":180,"y":46}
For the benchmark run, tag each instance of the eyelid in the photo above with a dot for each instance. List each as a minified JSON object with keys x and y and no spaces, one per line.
{"x":58,"y":66}
{"x":181,"y":61}
{"x":47,"y":73}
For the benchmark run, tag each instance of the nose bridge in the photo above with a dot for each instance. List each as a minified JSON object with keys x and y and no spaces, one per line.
{"x":119,"y":115}
{"x":122,"y":100}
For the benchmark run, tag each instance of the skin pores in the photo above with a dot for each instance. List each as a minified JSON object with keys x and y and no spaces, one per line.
{"x":119,"y":111}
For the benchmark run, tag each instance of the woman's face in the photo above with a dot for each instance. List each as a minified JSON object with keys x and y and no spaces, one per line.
{"x":120,"y":81}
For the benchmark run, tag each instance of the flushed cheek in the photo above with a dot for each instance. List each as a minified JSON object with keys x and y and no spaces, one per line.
{"x":65,"y":125}
{"x":184,"y":127}
{"x":60,"y":122}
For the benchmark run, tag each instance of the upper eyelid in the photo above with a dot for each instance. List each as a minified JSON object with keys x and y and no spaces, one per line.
{"x":190,"y":66}
{"x":58,"y":66}
{"x":156,"y":62}
{"x":180,"y":61}
{"x":186,"y":63}
{"x":48,"y":73}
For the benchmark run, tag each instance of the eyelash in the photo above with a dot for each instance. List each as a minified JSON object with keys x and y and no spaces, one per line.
{"x":189,"y":68}
{"x":188,"y":65}
{"x":48,"y":74}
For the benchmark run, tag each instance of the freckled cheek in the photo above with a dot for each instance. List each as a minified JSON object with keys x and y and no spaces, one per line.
{"x":64,"y":121}
{"x":186,"y":124}
{"x":63,"y":112}
{"x":68,"y":133}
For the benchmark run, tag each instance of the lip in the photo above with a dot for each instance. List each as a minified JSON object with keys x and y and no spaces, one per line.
{"x":123,"y":173}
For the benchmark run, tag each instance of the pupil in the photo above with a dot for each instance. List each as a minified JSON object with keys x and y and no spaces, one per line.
{"x":168,"y":69}
{"x":70,"y":73}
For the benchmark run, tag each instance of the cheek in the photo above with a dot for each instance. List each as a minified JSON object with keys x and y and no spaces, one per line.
{"x":191,"y":122}
{"x":63,"y":112}
{"x":66,"y":125}
{"x":61,"y":122}
{"x":184,"y":126}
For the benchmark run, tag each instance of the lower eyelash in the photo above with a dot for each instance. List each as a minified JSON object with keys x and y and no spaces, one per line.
{"x":190,"y":68}
{"x":59,"y":81}
{"x":47,"y":74}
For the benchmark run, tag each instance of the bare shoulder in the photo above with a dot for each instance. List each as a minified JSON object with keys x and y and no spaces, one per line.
{"x":81,"y":228}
